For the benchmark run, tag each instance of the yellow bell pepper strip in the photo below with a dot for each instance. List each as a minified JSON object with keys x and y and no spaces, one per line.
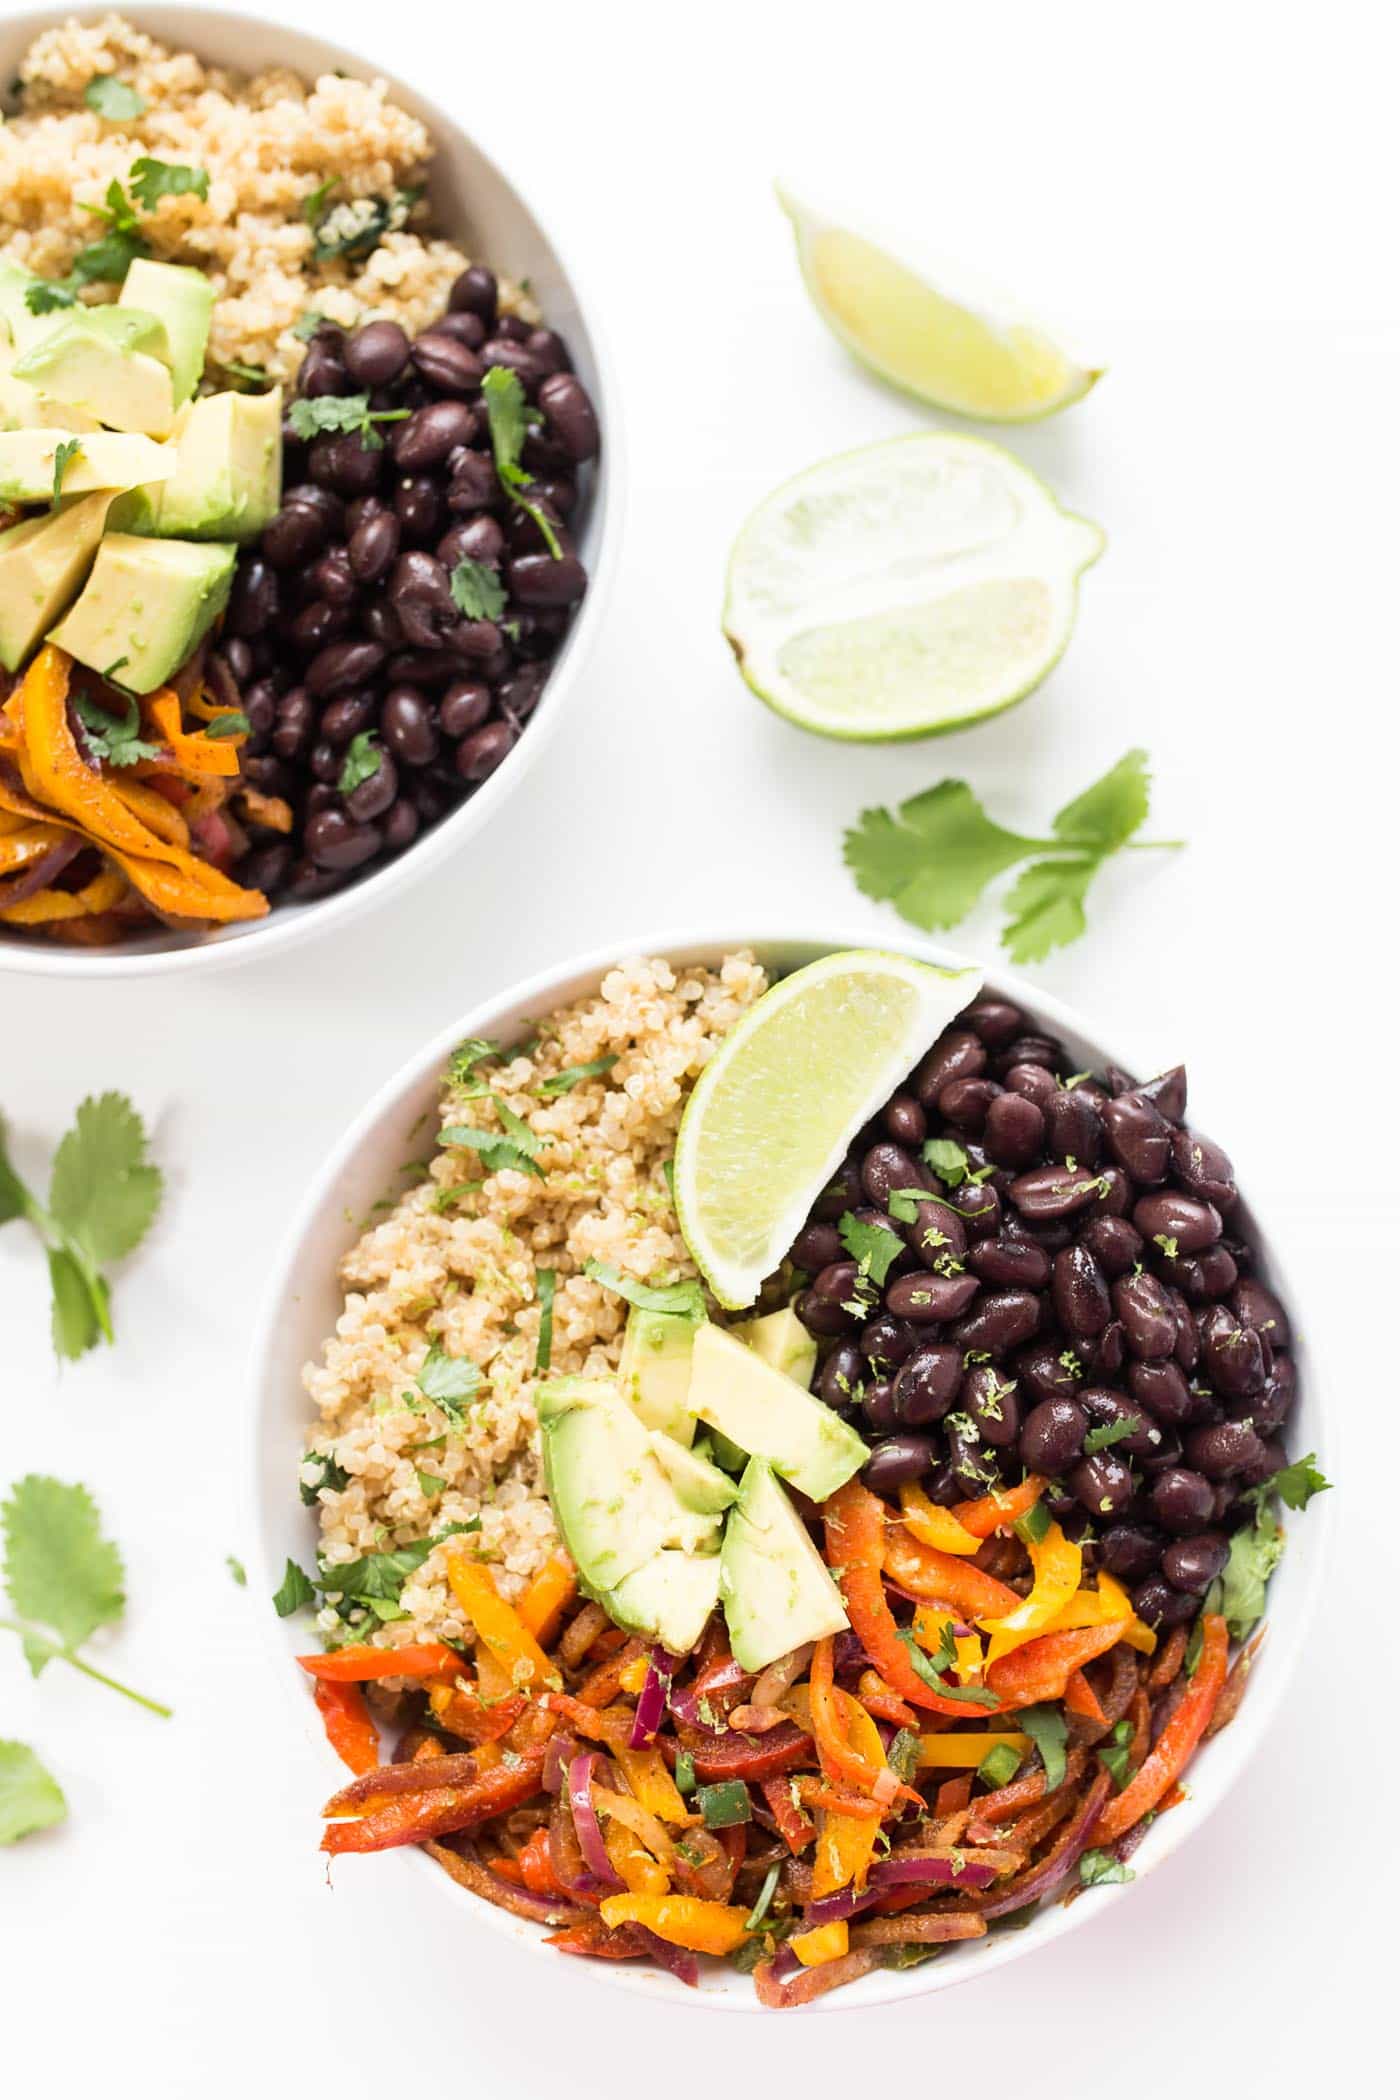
{"x":822,"y":1943}
{"x":154,"y":810}
{"x":929,"y":1624}
{"x":999,"y":1510}
{"x":935,"y":1526}
{"x":632,"y":1863}
{"x":686,"y":1921}
{"x":955,"y":1748}
{"x":633,"y":1675}
{"x":499,"y":1627}
{"x":191,"y":754}
{"x":49,"y":906}
{"x":547,"y":1596}
{"x":27,"y":843}
{"x":1096,"y":1607}
{"x":649,"y":1777}
{"x":192,"y":893}
{"x":1058,"y":1564}
{"x":1174,"y":1747}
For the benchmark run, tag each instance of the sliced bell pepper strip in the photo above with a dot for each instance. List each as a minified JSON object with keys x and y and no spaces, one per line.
{"x":1096,"y":1607}
{"x":357,"y":1665}
{"x":1058,"y":1563}
{"x":929,"y":1622}
{"x":547,"y":1596}
{"x":1000,"y":1510}
{"x":499,"y":1627}
{"x":795,"y":1829}
{"x":435,"y":1811}
{"x":1080,"y":1697}
{"x":462,"y":1711}
{"x":942,"y":1578}
{"x":1041,"y":1669}
{"x":1173,"y":1749}
{"x":649,"y":1777}
{"x":349,"y":1727}
{"x":822,"y":1943}
{"x":50,"y":906}
{"x":191,"y":754}
{"x":686,"y":1921}
{"x":935,"y":1526}
{"x":536,"y":1868}
{"x":781,"y":1750}
{"x":508,"y":1869}
{"x":954,"y":1748}
{"x":152,"y":807}
{"x":632,"y":1863}
{"x":633,"y":1674}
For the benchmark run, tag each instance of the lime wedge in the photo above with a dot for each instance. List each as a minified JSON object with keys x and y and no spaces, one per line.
{"x":777,"y":1105}
{"x":966,"y":350}
{"x":905,"y":589}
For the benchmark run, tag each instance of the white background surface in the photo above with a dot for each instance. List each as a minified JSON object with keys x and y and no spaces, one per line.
{"x":1209,"y":194}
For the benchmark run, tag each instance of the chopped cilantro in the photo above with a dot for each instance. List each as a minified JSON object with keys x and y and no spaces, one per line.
{"x":232,"y":722}
{"x":65,"y":452}
{"x":153,"y":179}
{"x":325,"y":413}
{"x":448,"y":1380}
{"x":1105,"y":1433}
{"x":545,"y":1280}
{"x":508,"y":418}
{"x":928,"y":1667}
{"x":48,"y":298}
{"x":295,"y":1591}
{"x":333,"y":1476}
{"x":236,"y":1570}
{"x":754,"y":1921}
{"x":363,"y":758}
{"x":1115,"y":1758}
{"x":563,"y":1082}
{"x":686,"y":1300}
{"x":477,"y":590}
{"x":111,"y":739}
{"x":875,"y":1247}
{"x":1047,"y":1729}
{"x":115,"y":101}
{"x":1097,"y":1867}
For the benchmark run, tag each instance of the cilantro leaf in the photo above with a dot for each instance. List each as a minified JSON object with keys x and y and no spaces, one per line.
{"x":48,"y":298}
{"x":30,"y":1797}
{"x":333,"y":1476}
{"x":1105,"y":1433}
{"x":307,"y":324}
{"x":330,"y":413}
{"x":378,"y":1578}
{"x":927,"y":1667}
{"x":476,"y":1050}
{"x":1097,"y":1867}
{"x":104,"y":1192}
{"x":506,"y":414}
{"x":108,"y":260}
{"x":294,"y":1592}
{"x":448,"y":1380}
{"x":112,"y":739}
{"x":477,"y":591}
{"x":936,"y":854}
{"x":563,"y":1082}
{"x":59,"y":1569}
{"x":1297,"y":1484}
{"x":65,"y":452}
{"x":1255,"y":1552}
{"x":232,"y":722}
{"x":1047,"y":1729}
{"x":948,"y":1160}
{"x":497,"y":1154}
{"x":684,"y":1300}
{"x":153,"y":179}
{"x":236,"y":1570}
{"x":116,"y":101}
{"x":1115,"y":1758}
{"x":363,"y":758}
{"x":78,"y":1307}
{"x":545,"y":1283}
{"x":314,"y":203}
{"x":875,"y":1247}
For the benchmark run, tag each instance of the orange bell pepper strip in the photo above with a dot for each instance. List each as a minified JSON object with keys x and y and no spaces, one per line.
{"x":942,"y":1578}
{"x":954,"y":1748}
{"x":999,"y":1510}
{"x":508,"y":1869}
{"x":499,"y":1627}
{"x":191,"y":754}
{"x":649,"y":1777}
{"x":1058,"y":1564}
{"x":856,"y":1551}
{"x":934,"y":1525}
{"x":839,"y":1757}
{"x":52,"y":906}
{"x":822,"y":1943}
{"x":1080,"y":1697}
{"x":536,"y":1867}
{"x":686,"y":1921}
{"x":349,"y":1726}
{"x":409,"y":1818}
{"x":461,"y":1710}
{"x":547,"y":1596}
{"x":153,"y":809}
{"x":357,"y":1665}
{"x":1042,"y":1668}
{"x":1176,"y":1744}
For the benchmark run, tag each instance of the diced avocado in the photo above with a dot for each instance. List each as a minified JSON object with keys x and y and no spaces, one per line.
{"x":147,"y":606}
{"x":105,"y":459}
{"x":228,"y":477}
{"x":42,"y":565}
{"x":724,"y":1452}
{"x":770,"y":1415}
{"x":26,"y":408}
{"x":655,"y":1370}
{"x":699,"y":1485}
{"x":130,"y":328}
{"x":184,"y":300}
{"x":668,"y":1600}
{"x":773,"y":1584}
{"x":87,"y":364}
{"x":21,"y":326}
{"x":782,"y":1341}
{"x":613,"y":1501}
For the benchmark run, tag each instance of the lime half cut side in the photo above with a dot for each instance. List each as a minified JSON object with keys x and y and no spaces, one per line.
{"x":908,"y":588}
{"x":773,"y":1112}
{"x":957,"y":346}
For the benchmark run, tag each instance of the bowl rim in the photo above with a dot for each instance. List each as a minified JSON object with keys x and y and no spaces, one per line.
{"x":1232,"y":1752}
{"x":282,"y":930}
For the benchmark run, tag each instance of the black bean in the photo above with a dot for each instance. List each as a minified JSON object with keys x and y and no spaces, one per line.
{"x":972,"y":1465}
{"x":400,"y":826}
{"x":519,"y":695}
{"x":842,"y":1193}
{"x":1080,"y":1293}
{"x":381,"y":624}
{"x":336,"y":842}
{"x":993,"y":1403}
{"x":1000,"y":1321}
{"x":1272,"y":1458}
{"x":1149,"y":1323}
{"x":346,"y":464}
{"x":928,"y":1383}
{"x":979,"y":1207}
{"x":374,"y":545}
{"x":1073,"y":1127}
{"x":292,"y":537}
{"x":347,"y":717}
{"x":1048,"y":1370}
{"x":323,"y":369}
{"x":1222,"y":1449}
{"x":1269,"y":1409}
{"x":897,"y":1460}
{"x":551,"y":348}
{"x":1192,"y":1564}
{"x":502,"y":351}
{"x":995,"y":1020}
{"x":937,"y":1235}
{"x":965,"y":1102}
{"x":1139,"y":1138}
{"x":905,"y":1121}
{"x":926,"y":1298}
{"x":816,"y":1245}
{"x":474,"y":292}
{"x":317,"y":624}
{"x":1257,"y":1307}
{"x":1167,"y":1215}
{"x":255,"y":598}
{"x":842,"y":1377}
{"x":1106,"y":1352}
{"x":1183,"y":1501}
{"x":1167,"y":1093}
{"x":474,"y":485}
{"x":1107,"y":1409}
{"x":888,"y":1342}
{"x":513,"y":328}
{"x":472,"y":539}
{"x":266,"y":868}
{"x":1204,"y":1169}
{"x":343,"y":664}
{"x":1030,"y":1050}
{"x":1033,"y":1082}
{"x":567,"y":410}
{"x":878,"y":1406}
{"x":467,"y":328}
{"x":1102,"y":1483}
{"x":447,"y":364}
{"x":1010,"y":1259}
{"x":1115,"y":1244}
{"x":1113,"y":1194}
{"x":1217,"y":1272}
{"x":324,"y":763}
{"x":374,"y":795}
{"x":376,"y":354}
{"x":1156,"y":1603}
{"x":409,"y":727}
{"x":1052,"y":1436}
{"x":1234,"y":1359}
{"x":328,"y":507}
{"x":537,"y":579}
{"x":431,"y":433}
{"x":260,"y":704}
{"x":306,"y":881}
{"x":1130,"y":1551}
{"x":418,"y":507}
{"x":296,"y":724}
{"x":1162,"y":1389}
{"x":1055,"y":1191}
{"x":1014,"y":1130}
{"x":887,"y":1167}
{"x":958,"y":1054}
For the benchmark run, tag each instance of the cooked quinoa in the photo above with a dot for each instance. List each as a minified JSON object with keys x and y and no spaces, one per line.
{"x":268,"y":145}
{"x":455,"y":1262}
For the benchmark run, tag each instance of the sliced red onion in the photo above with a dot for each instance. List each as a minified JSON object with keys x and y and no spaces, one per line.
{"x":844,"y":1903}
{"x":40,"y":873}
{"x":931,"y":1869}
{"x":558,"y":1751}
{"x":1052,"y":1870}
{"x":784,"y":1964}
{"x":586,"y":1825}
{"x":679,"y":1960}
{"x":685,"y":1706}
{"x":848,"y":1653}
{"x":651,"y":1706}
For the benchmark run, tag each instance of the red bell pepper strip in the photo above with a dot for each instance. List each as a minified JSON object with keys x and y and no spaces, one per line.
{"x":1042,"y":1668}
{"x":350,"y":1730}
{"x":855,"y":1550}
{"x":999,"y":1511}
{"x":946,"y":1578}
{"x":435,"y":1811}
{"x":536,"y":1867}
{"x":1080,"y":1697}
{"x":795,"y":1829}
{"x":360,"y":1664}
{"x":1174,"y":1747}
{"x":507,"y":1869}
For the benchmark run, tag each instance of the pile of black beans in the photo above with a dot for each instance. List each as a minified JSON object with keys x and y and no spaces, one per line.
{"x":1082,"y":1275}
{"x":342,"y":618}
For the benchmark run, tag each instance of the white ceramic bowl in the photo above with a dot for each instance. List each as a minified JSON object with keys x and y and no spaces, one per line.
{"x":477,"y":203}
{"x":304,"y":1302}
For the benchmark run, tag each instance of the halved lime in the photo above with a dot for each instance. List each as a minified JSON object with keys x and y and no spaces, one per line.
{"x":959,"y":347}
{"x":905,"y":589}
{"x":777,"y":1105}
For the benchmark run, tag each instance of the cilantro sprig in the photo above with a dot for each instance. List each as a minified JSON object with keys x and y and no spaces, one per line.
{"x":509,"y":419}
{"x":63,"y":1577}
{"x":115,"y":101}
{"x":1256,"y":1549}
{"x":929,"y":1667}
{"x":153,"y":179}
{"x":333,"y":413}
{"x":103,"y":1196}
{"x":564,"y":1082}
{"x":448,"y":1381}
{"x":935,"y":855}
{"x":873,"y":1247}
{"x":685,"y":1300}
{"x":370,"y":1587}
{"x":477,"y":591}
{"x":113,"y":740}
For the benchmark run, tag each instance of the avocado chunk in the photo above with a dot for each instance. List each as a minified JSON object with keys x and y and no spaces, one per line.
{"x":21,"y":326}
{"x":184,"y":300}
{"x":228,"y":474}
{"x":42,"y":565}
{"x":699,"y":1485}
{"x":613,"y":1501}
{"x":85,"y":362}
{"x":770,"y":1415}
{"x":655,"y":1370}
{"x":28,"y":408}
{"x":146,"y":607}
{"x":773,"y":1584}
{"x":669,"y":1599}
{"x":782,"y":1341}
{"x":104,"y":460}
